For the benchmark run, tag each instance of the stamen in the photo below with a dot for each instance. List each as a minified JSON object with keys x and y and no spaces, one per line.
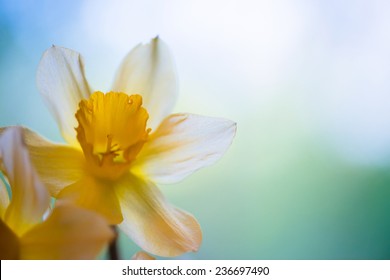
{"x":109,"y":141}
{"x":112,"y":130}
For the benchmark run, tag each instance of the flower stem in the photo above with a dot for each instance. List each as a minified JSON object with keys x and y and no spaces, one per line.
{"x":113,"y":247}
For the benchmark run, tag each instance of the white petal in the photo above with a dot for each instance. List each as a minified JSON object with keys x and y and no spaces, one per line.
{"x":62,"y":83}
{"x":155,"y":225}
{"x":4,"y":197}
{"x":30,"y":199}
{"x":149,"y":70}
{"x":182,"y":144}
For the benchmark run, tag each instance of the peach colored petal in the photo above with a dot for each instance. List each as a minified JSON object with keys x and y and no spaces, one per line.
{"x":95,"y":195}
{"x":155,"y":225}
{"x":141,"y":255}
{"x":68,"y":233}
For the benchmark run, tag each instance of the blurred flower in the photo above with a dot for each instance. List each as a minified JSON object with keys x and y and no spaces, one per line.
{"x":69,"y":232}
{"x":122,"y":148}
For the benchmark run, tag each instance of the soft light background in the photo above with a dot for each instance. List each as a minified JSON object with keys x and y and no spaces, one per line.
{"x":308,"y":175}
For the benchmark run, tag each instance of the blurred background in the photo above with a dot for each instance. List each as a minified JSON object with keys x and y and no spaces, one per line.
{"x":308,"y":174}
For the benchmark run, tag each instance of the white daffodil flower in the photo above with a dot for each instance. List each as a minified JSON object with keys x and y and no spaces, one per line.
{"x":122,"y":143}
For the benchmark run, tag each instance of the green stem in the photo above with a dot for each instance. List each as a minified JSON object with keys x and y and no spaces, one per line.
{"x":113,"y":247}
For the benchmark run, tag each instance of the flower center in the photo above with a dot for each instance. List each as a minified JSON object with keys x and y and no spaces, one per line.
{"x":111,"y":132}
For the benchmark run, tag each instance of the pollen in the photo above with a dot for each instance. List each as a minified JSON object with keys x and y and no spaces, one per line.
{"x":112,"y":130}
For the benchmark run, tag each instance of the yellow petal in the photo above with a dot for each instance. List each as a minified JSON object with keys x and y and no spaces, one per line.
{"x":142,"y":256}
{"x":57,"y":165}
{"x":68,"y":233}
{"x":9,"y":243}
{"x":182,"y":144}
{"x":30,"y":198}
{"x":4,"y":197}
{"x":155,"y":225}
{"x":149,"y":70}
{"x":62,"y":83}
{"x":96,"y":195}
